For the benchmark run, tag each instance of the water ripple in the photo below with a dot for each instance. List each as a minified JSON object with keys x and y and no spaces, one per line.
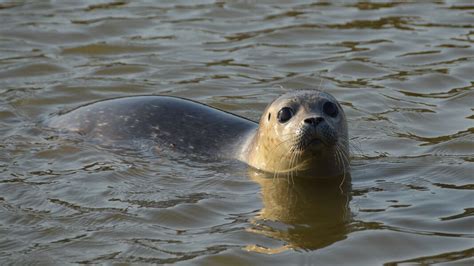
{"x":402,"y":71}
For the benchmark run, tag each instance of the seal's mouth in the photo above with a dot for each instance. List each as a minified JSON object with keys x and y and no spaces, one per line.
{"x":315,"y":142}
{"x":315,"y":138}
{"x":309,"y":143}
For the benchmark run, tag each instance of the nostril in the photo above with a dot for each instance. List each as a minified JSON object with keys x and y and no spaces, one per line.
{"x":314,"y":120}
{"x":309,"y":121}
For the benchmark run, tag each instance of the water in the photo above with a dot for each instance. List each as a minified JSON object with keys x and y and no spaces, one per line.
{"x":403,"y":72}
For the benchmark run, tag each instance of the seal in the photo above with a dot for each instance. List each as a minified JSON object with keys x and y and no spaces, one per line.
{"x":302,"y":133}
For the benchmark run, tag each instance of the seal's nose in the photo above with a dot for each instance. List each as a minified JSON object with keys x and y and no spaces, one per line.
{"x":314,"y":121}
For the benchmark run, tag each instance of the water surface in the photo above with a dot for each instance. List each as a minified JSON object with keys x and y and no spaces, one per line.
{"x":403,"y":72}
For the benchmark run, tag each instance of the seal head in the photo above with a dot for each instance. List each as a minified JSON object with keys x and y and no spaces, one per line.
{"x":302,"y":132}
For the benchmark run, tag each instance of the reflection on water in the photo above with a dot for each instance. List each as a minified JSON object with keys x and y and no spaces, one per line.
{"x":309,"y":214}
{"x":403,"y":72}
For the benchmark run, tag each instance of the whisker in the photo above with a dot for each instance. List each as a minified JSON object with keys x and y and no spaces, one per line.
{"x":321,"y":83}
{"x":353,"y":147}
{"x":338,"y":158}
{"x":293,"y":162}
{"x":338,"y":151}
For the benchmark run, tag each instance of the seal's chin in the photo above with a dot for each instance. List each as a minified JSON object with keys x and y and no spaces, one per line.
{"x":316,"y":143}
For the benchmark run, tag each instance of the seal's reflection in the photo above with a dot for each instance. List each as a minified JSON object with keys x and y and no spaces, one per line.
{"x":315,"y":214}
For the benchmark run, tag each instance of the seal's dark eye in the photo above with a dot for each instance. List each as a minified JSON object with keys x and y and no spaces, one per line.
{"x":330,"y":109}
{"x":284,"y":114}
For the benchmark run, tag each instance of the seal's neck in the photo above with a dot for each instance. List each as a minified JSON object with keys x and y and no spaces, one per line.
{"x":247,"y":146}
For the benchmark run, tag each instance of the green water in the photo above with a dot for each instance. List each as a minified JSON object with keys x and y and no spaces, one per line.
{"x":403,"y":72}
